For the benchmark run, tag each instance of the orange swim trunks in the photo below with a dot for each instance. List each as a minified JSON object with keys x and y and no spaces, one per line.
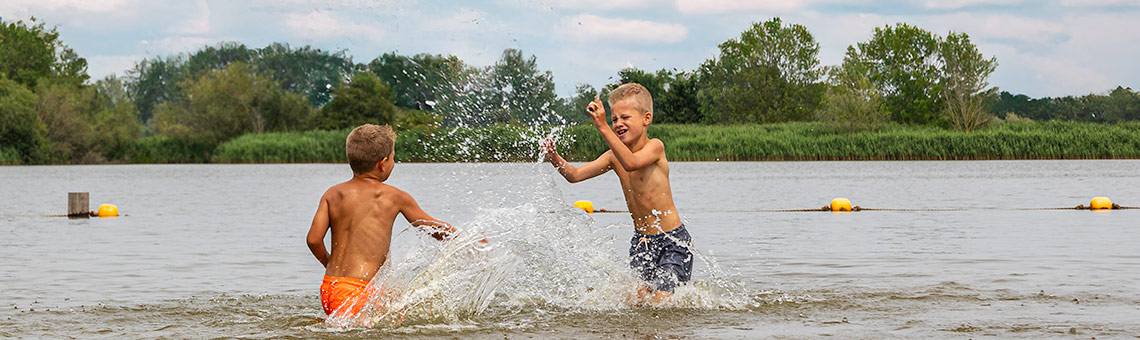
{"x":345,"y":296}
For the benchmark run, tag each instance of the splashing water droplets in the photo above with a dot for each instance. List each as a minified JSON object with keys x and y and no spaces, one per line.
{"x":543,"y":258}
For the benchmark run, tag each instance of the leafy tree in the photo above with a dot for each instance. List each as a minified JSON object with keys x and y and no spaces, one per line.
{"x":964,"y":85}
{"x":421,"y":81}
{"x":363,"y":99}
{"x":766,"y":75}
{"x":21,"y":130}
{"x":517,"y":90}
{"x":153,"y":82}
{"x":674,"y":93}
{"x":575,"y":110}
{"x":304,"y":70}
{"x":852,"y":102}
{"x":902,"y":61}
{"x":216,"y":57}
{"x":229,"y":102}
{"x":1119,"y":105}
{"x":30,"y":52}
{"x":416,"y":120}
{"x":115,"y":123}
{"x":654,"y":82}
{"x":679,"y":102}
{"x":65,"y":109}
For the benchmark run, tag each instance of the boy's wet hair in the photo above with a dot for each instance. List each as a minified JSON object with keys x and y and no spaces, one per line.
{"x":367,"y":144}
{"x":642,"y":100}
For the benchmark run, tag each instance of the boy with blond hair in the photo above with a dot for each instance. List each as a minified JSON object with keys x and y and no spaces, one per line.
{"x":360,"y":213}
{"x":659,"y":250}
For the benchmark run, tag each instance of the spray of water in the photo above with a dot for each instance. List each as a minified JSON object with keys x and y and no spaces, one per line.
{"x":542,"y":255}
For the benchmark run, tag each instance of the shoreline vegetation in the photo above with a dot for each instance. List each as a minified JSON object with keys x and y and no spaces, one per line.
{"x":805,"y":141}
{"x":906,"y":93}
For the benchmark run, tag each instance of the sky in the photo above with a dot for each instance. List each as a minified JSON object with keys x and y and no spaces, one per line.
{"x":1044,"y":48}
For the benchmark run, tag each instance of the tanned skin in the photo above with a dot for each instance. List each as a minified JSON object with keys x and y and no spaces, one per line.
{"x":360,"y":213}
{"x":640,"y":165}
{"x":638,"y":161}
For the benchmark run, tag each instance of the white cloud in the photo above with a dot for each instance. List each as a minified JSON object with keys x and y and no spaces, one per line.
{"x":955,"y":4}
{"x":98,"y":6}
{"x":599,"y":4}
{"x":198,"y":25}
{"x":464,"y":21}
{"x":998,"y":26}
{"x":100,"y":66}
{"x":322,"y":25}
{"x":1051,"y":75}
{"x":178,"y":44}
{"x":1099,"y":3}
{"x":592,"y":28}
{"x":735,"y":6}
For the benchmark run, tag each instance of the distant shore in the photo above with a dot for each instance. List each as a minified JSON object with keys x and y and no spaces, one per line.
{"x":754,"y":142}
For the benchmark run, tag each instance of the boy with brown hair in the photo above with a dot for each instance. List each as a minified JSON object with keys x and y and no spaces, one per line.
{"x":360,"y":213}
{"x":659,"y":250}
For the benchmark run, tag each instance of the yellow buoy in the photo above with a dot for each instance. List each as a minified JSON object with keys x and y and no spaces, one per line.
{"x":108,"y":210}
{"x":1099,"y":203}
{"x":585,"y":206}
{"x":840,"y":204}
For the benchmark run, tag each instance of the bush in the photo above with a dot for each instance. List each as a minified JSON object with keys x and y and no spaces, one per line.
{"x":165,"y":149}
{"x":22,"y":132}
{"x":317,"y":146}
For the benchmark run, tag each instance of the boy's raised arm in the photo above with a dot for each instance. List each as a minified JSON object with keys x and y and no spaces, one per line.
{"x":316,"y":236}
{"x":629,"y":160}
{"x":411,"y":210}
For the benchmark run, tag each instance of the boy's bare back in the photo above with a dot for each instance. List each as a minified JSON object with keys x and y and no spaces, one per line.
{"x":360,"y":212}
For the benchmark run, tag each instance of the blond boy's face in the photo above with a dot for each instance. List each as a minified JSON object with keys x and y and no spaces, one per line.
{"x":629,"y":123}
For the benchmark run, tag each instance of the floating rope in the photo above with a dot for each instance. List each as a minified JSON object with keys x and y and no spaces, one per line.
{"x":858,"y":208}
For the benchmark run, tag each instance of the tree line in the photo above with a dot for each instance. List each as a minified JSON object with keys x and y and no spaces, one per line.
{"x":51,"y":112}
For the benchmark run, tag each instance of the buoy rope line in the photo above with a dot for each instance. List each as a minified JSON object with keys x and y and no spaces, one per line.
{"x":858,"y":208}
{"x":91,"y":214}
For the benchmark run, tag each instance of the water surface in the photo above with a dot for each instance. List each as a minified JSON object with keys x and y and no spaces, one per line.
{"x":212,"y":251}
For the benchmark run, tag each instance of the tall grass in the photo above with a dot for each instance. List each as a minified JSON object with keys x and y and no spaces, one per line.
{"x":788,"y":141}
{"x":813,"y":141}
{"x":162,"y":149}
{"x":317,"y":146}
{"x":482,"y":144}
{"x":10,"y":156}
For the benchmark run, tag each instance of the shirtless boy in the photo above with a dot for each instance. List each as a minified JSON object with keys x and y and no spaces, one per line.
{"x":360,"y":213}
{"x":659,"y":250}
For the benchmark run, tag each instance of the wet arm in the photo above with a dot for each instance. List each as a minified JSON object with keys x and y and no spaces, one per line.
{"x":575,"y":174}
{"x":316,"y":236}
{"x":411,"y":210}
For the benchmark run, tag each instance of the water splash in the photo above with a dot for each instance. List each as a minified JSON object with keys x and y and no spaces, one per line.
{"x":543,"y":256}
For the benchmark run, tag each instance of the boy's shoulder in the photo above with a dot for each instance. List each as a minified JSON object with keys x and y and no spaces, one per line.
{"x":657,"y":144}
{"x":353,"y":185}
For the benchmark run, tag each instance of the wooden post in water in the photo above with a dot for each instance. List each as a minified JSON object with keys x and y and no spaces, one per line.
{"x":78,"y":204}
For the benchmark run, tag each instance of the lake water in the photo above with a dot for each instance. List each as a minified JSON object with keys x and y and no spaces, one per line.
{"x":218,"y":251}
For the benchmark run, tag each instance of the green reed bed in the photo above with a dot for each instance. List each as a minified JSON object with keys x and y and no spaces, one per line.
{"x":814,"y":141}
{"x":162,"y":149}
{"x":317,"y":146}
{"x":10,"y":156}
{"x":789,"y":141}
{"x":483,"y":144}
